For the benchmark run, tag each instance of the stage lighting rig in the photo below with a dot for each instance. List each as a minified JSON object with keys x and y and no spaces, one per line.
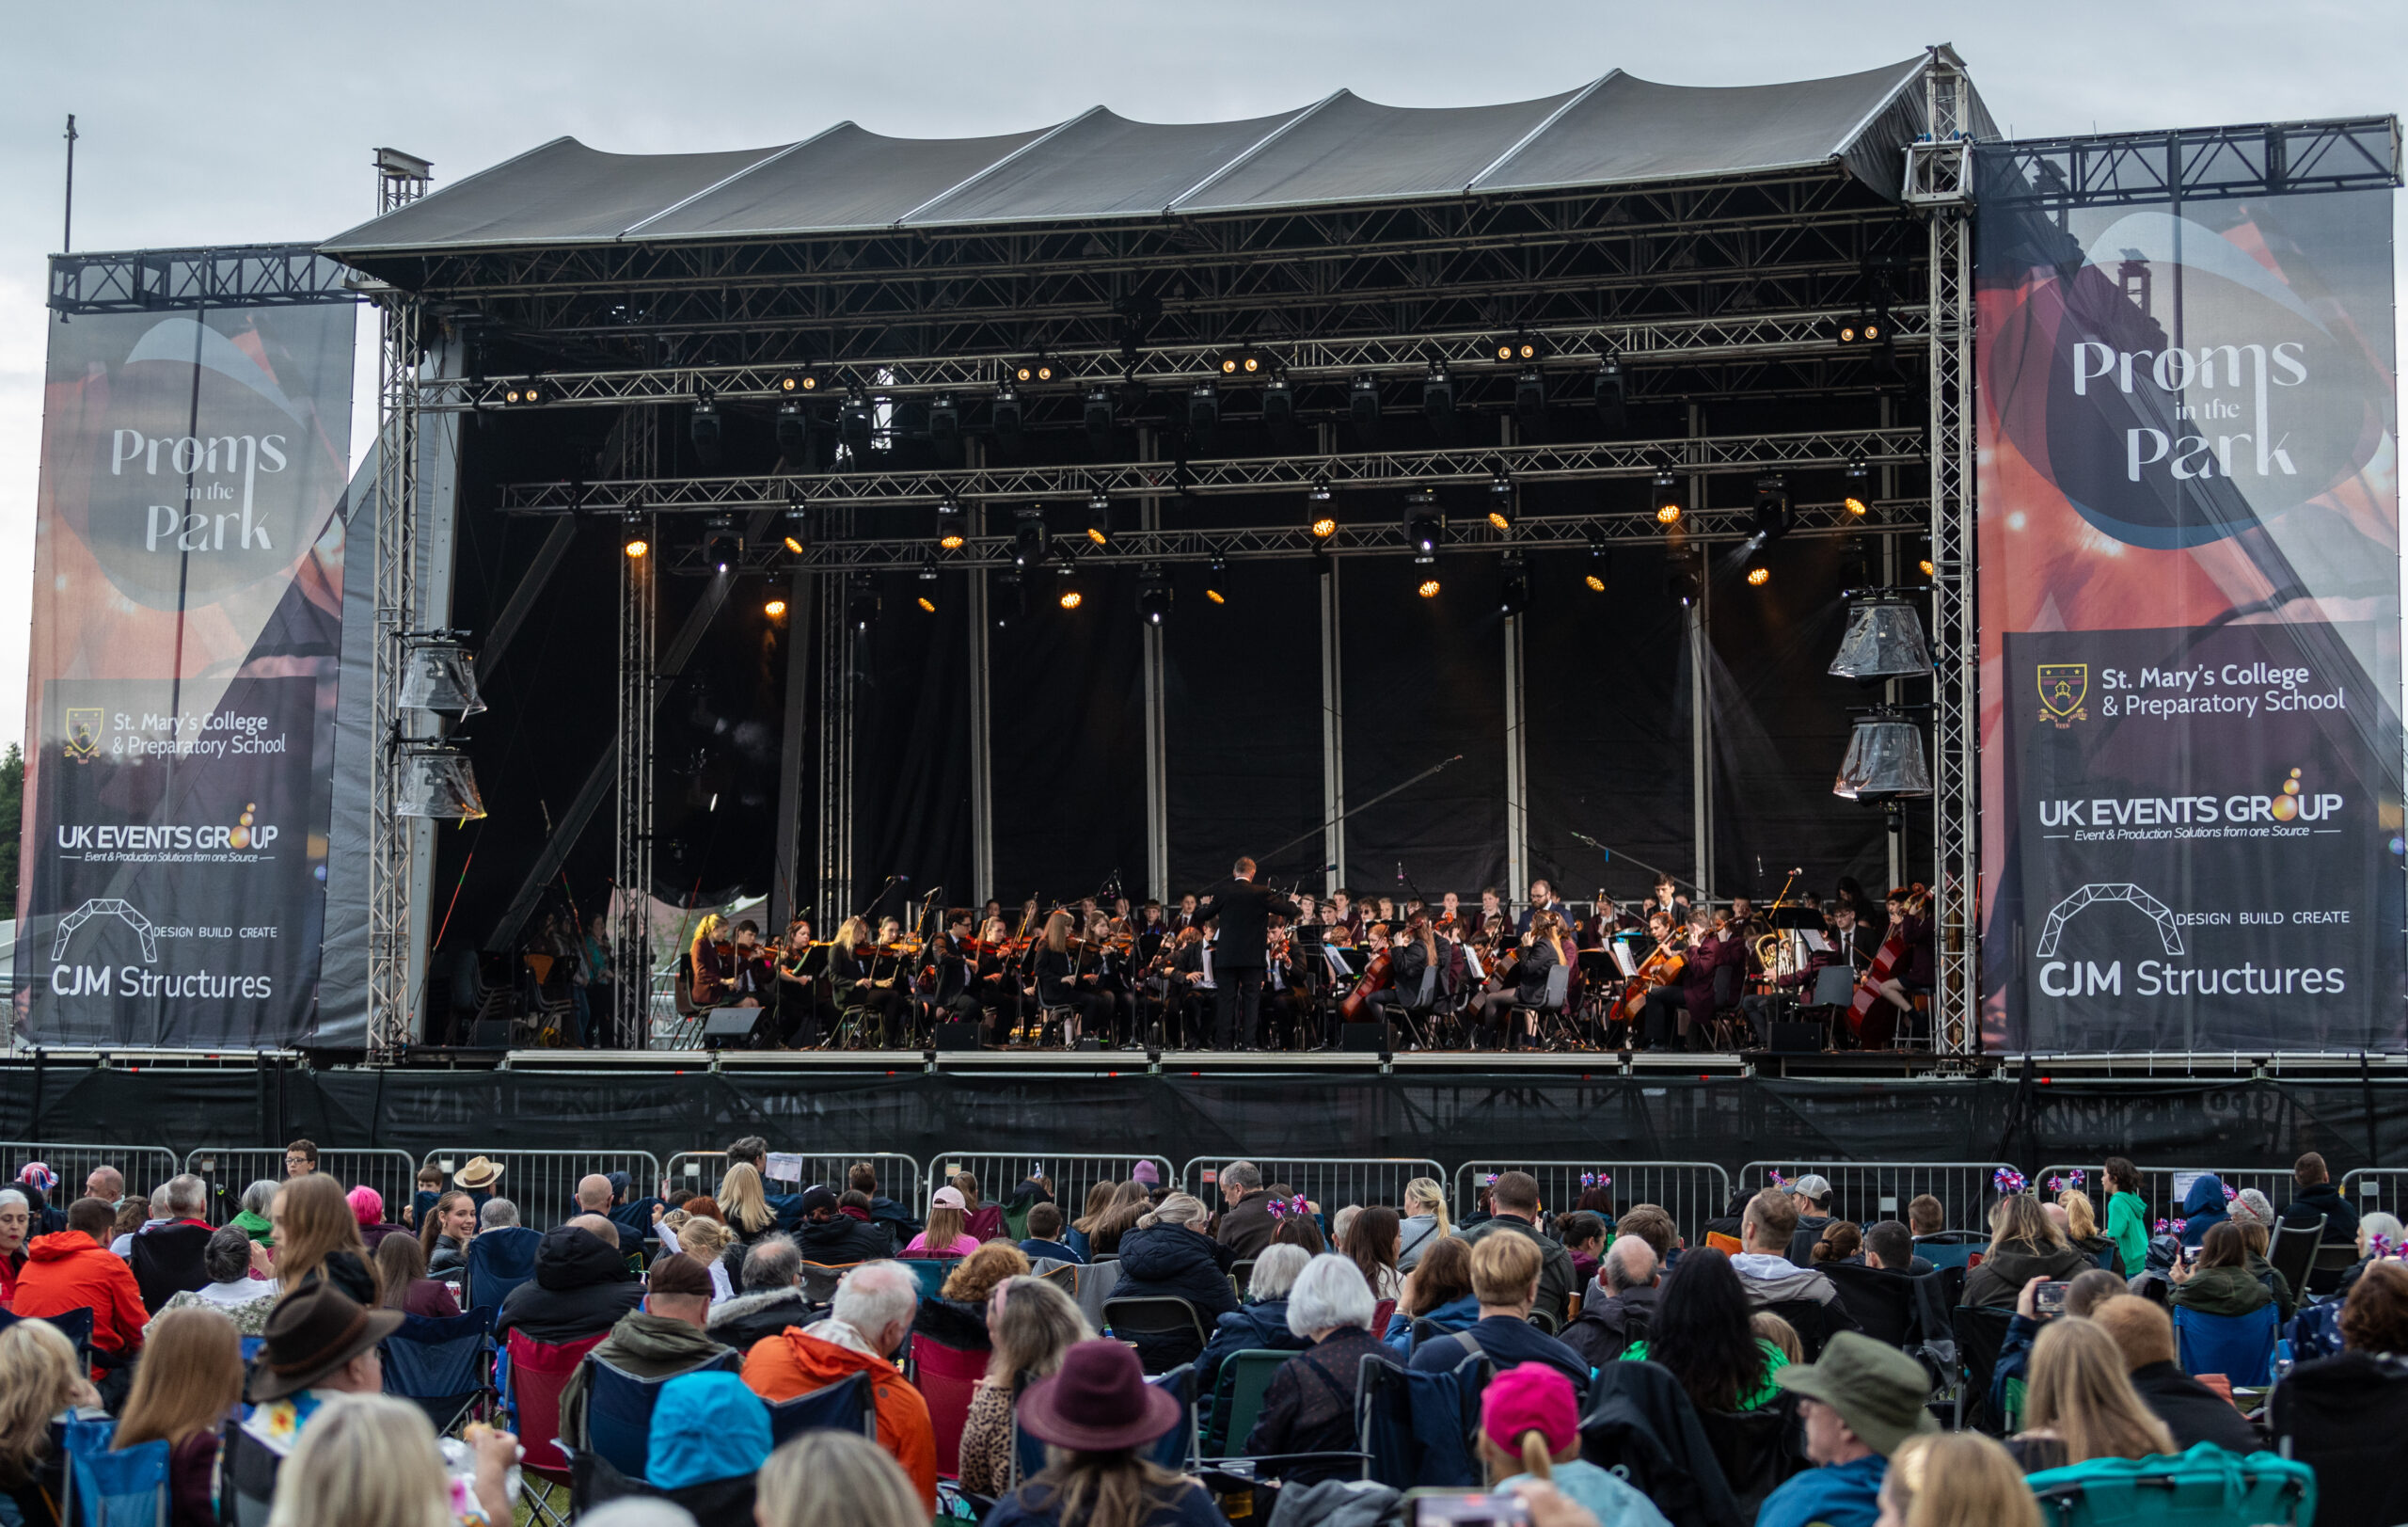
{"x":1363,"y":406}
{"x":1530,"y":396}
{"x":1216,"y":577}
{"x":1318,"y":490}
{"x":633,"y":541}
{"x":944,"y":422}
{"x":1425,"y":528}
{"x":1923,"y":557}
{"x":1667,"y":498}
{"x":1682,"y":583}
{"x":1007,"y":413}
{"x":1758,"y":573}
{"x":855,"y":425}
{"x":1279,"y":407}
{"x":1096,"y":412}
{"x":1600,"y":565}
{"x":1244,"y":364}
{"x":1500,"y":499}
{"x":1438,"y":393}
{"x":1428,"y":588}
{"x":1035,"y":371}
{"x":1521,"y":348}
{"x":950,"y":518}
{"x":1066,"y":592}
{"x":1513,"y":586}
{"x":1099,"y":517}
{"x":721,"y":546}
{"x":1153,"y":594}
{"x":862,"y":606}
{"x":801,"y":382}
{"x":517,"y":395}
{"x":1774,"y":516}
{"x":1204,"y":410}
{"x":1028,"y":537}
{"x":1613,"y":398}
{"x":1859,"y":487}
{"x":774,"y":608}
{"x":794,"y":433}
{"x":702,"y":429}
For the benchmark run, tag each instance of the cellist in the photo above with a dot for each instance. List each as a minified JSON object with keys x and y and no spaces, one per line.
{"x":1912,"y":967}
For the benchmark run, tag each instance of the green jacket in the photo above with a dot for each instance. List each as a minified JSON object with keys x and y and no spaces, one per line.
{"x":2128,"y":1227}
{"x":257,"y":1228}
{"x":645,"y":1345}
{"x":2221,"y":1290}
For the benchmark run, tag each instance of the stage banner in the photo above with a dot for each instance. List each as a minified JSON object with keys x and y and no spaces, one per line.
{"x":180,"y":711}
{"x":2189,"y":592}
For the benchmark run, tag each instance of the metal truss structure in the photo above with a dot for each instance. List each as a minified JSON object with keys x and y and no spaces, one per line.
{"x":631,"y":858}
{"x":2194,"y":163}
{"x":240,"y":275}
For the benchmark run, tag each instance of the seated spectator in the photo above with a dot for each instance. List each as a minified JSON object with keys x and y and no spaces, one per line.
{"x":2374,"y":1317}
{"x":1650,"y":1223}
{"x":663,"y":1336}
{"x":1425,"y":1220}
{"x":2313,"y":1195}
{"x":863,"y":1179}
{"x":370,"y":1460}
{"x":2203,"y":1209}
{"x":1370,"y":1241}
{"x":744,"y":1202}
{"x":1583,"y":1235}
{"x":367,"y":1210}
{"x":828,"y":1479}
{"x":1619,"y":1309}
{"x":1780,"y":1333}
{"x":1261,"y":1323}
{"x":2254,"y":1218}
{"x":1098,"y":1200}
{"x":430,"y":1189}
{"x":708,"y":1241}
{"x":1842,"y":1242}
{"x":300,"y":1159}
{"x":235,"y":1288}
{"x":1766,"y":1229}
{"x":1858,"y":1402}
{"x":2024,"y":1246}
{"x":580,"y":1288}
{"x":705,"y":1427}
{"x":1030,"y":1325}
{"x":975,"y":1279}
{"x":1296,"y":1227}
{"x":1925,"y":1216}
{"x":2083,"y":1295}
{"x":2218,"y":1281}
{"x":1245,"y":1221}
{"x":16,"y":1228}
{"x":2079,"y":1404}
{"x":1956,"y":1481}
{"x":703,"y":1206}
{"x":400,"y":1273}
{"x":871,"y":1316}
{"x":1045,"y":1233}
{"x":257,"y":1215}
{"x":1702,"y":1334}
{"x":1889,"y":1247}
{"x":132,"y":1214}
{"x":654,"y":1511}
{"x":189,"y":1381}
{"x":2083,"y":1235}
{"x":1812,"y":1195}
{"x":1440,"y":1297}
{"x":2193,"y":1413}
{"x":827,"y":1234}
{"x":444,"y":1233}
{"x":1309,"y":1407}
{"x":1100,"y":1415}
{"x":166,"y":1255}
{"x":982,"y":1222}
{"x":317,"y":1239}
{"x":1033,"y":1190}
{"x":1514,"y":1197}
{"x":74,"y":1270}
{"x":1506,"y":1270}
{"x":773,"y":1299}
{"x":947,"y":1235}
{"x":1171,"y":1251}
{"x":1530,"y":1432}
{"x":318,"y":1344}
{"x":1131,"y":1202}
{"x":40,"y":1376}
{"x":635,"y":1217}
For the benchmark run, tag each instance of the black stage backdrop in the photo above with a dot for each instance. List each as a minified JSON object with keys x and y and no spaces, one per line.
{"x":910,"y":745}
{"x":1453,"y":1117}
{"x":1241,"y":713}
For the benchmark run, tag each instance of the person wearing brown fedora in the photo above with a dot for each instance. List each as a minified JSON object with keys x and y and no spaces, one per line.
{"x":1859,"y":1401}
{"x":1095,"y":1414}
{"x":320,"y":1340}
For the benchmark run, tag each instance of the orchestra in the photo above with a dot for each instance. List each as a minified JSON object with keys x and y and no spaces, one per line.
{"x":1240,"y":966}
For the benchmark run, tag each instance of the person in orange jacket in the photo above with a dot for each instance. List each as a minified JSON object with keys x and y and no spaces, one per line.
{"x":75,"y":1270}
{"x":872,"y":1315}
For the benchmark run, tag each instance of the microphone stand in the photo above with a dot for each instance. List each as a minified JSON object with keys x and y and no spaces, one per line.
{"x":1361,"y":805}
{"x":1661,"y":874}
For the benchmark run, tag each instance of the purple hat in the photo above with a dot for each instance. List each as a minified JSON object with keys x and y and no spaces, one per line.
{"x":1096,"y":1402}
{"x":1148,"y":1173}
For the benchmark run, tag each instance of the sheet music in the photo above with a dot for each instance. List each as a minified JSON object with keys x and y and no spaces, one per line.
{"x":1622,"y":962}
{"x":1815,"y":943}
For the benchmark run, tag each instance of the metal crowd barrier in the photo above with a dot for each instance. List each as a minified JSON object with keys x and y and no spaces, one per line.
{"x":1330,"y":1182}
{"x":2377,"y":1187}
{"x":1693,"y":1192}
{"x":1868,"y":1191}
{"x":1000,"y":1171}
{"x":898,"y":1175}
{"x":543,"y":1184}
{"x":2159,"y":1183}
{"x":145,"y":1167}
{"x":230,"y":1170}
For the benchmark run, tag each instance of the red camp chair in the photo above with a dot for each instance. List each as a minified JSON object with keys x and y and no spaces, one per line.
{"x":946,"y":1376}
{"x":537,"y":1372}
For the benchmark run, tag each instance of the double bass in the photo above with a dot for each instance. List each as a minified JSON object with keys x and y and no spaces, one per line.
{"x":1885,"y":964}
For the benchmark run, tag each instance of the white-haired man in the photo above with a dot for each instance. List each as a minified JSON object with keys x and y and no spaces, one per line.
{"x":872,"y":1315}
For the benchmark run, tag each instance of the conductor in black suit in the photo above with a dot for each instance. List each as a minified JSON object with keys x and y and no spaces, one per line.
{"x":1241,"y":911}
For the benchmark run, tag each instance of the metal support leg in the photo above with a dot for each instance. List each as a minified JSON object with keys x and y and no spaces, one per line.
{"x":631,"y":956}
{"x":391,"y":1015}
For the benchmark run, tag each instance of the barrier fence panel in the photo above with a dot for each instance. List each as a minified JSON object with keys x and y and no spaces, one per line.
{"x":2377,"y":1187}
{"x":898,"y":1175}
{"x":1866,"y":1191}
{"x":144,"y":1167}
{"x":230,"y":1169}
{"x":1693,"y":1192}
{"x":1000,"y":1171}
{"x":2163,"y":1187}
{"x":543,"y":1184}
{"x":1331,"y":1183}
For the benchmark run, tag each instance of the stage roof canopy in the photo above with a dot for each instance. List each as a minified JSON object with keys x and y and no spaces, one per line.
{"x":1616,"y":131}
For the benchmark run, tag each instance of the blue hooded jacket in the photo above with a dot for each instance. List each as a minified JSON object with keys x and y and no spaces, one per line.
{"x":2203,"y":1208}
{"x":1457,"y":1314}
{"x":705,"y":1427}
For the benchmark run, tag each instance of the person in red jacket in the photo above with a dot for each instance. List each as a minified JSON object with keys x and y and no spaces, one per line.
{"x":75,"y":1270}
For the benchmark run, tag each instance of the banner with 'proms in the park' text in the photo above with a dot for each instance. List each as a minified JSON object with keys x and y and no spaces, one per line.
{"x":2189,"y":591}
{"x":186,"y":635}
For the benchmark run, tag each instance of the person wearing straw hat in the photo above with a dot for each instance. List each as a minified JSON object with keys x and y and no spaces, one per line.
{"x":1858,"y":1402}
{"x":1097,"y":1414}
{"x":477,"y":1178}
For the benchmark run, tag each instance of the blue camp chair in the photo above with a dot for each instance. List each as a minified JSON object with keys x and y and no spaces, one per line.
{"x":75,"y":1325}
{"x":1415,"y":1426}
{"x":113,"y":1489}
{"x":931,"y":1272}
{"x":618,"y":1409}
{"x":845,"y":1405}
{"x":1174,"y":1450}
{"x":439,"y":1364}
{"x":500,"y":1260}
{"x":2241,"y":1347}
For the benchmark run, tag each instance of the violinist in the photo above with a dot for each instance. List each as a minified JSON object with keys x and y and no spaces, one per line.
{"x":1501,"y":957}
{"x":1543,"y":948}
{"x":1685,"y":1008}
{"x":1910,"y":924}
{"x":1151,"y":931}
{"x":995,"y":977}
{"x":1057,"y":986}
{"x":799,"y":999}
{"x":710,"y":961}
{"x":749,"y":982}
{"x":1110,"y":946}
{"x":944,"y":988}
{"x":853,"y":962}
{"x":1411,"y":957}
{"x":1185,"y":998}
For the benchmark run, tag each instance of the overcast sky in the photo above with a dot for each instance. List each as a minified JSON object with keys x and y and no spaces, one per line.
{"x":241,"y":123}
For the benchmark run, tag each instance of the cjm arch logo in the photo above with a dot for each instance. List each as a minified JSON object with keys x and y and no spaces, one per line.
{"x":2067,"y":977}
{"x":96,"y":980}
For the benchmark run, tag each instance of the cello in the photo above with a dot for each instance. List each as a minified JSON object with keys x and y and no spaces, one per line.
{"x":1376,"y":978}
{"x":1886,"y":961}
{"x":1660,"y":968}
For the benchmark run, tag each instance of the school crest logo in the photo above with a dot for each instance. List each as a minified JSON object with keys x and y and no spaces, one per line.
{"x":83,"y":743}
{"x":2063,"y":687}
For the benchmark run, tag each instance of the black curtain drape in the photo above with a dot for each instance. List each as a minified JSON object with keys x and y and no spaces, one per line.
{"x":911,"y":744}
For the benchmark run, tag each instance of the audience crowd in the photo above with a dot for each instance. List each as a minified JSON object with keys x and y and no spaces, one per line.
{"x":1824,"y":1363}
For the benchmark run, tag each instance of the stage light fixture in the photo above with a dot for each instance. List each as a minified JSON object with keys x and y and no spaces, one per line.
{"x":1667,"y":498}
{"x":1068,"y":595}
{"x":774,"y":609}
{"x":794,"y":543}
{"x":862,"y":606}
{"x":721,"y":546}
{"x":1884,"y":760}
{"x":1500,"y":499}
{"x":1438,"y":393}
{"x":1153,"y":595}
{"x":925,"y":604}
{"x":949,"y":509}
{"x":1923,"y":557}
{"x":1428,"y":588}
{"x":1613,"y":398}
{"x":950,"y":517}
{"x":1036,"y":371}
{"x":1322,"y":527}
{"x":1318,"y":490}
{"x":1216,"y":577}
{"x":529,"y":390}
{"x":796,"y":383}
{"x":944,"y":422}
{"x":636,"y":545}
{"x":1096,"y":412}
{"x":794,"y":433}
{"x":1028,"y":537}
{"x":928,"y":568}
{"x":702,"y":429}
{"x":1008,"y":414}
{"x":1759,"y":575}
{"x":1600,"y":563}
{"x":1683,"y":583}
{"x":855,"y":425}
{"x":1884,"y":640}
{"x":1860,"y":486}
{"x":1513,"y":586}
{"x":951,"y":541}
{"x":1279,"y":406}
{"x":1774,"y":516}
{"x":1514,"y":347}
{"x":1363,"y":405}
{"x":1424,"y":526}
{"x":1099,"y":517}
{"x":1530,"y":396}
{"x":1204,"y":410}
